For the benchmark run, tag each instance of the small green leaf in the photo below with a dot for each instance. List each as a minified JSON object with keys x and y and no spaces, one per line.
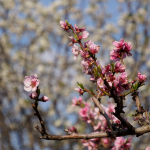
{"x":99,"y":67}
{"x":112,"y":66}
{"x":76,"y":37}
{"x":136,"y":86}
{"x":92,"y":91}
{"x":96,"y":72}
{"x":80,"y":85}
{"x":67,"y":22}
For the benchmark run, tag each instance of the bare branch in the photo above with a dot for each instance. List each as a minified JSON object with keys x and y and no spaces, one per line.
{"x":140,"y":110}
{"x":138,"y":131}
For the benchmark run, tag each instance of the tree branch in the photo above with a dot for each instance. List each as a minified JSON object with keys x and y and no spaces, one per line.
{"x":138,"y":132}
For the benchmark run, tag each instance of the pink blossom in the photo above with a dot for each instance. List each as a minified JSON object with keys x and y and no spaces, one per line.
{"x":106,"y":142}
{"x":148,"y":148}
{"x":44,"y":99}
{"x":107,"y":68}
{"x":84,"y":54}
{"x":76,"y":101}
{"x":85,"y":64}
{"x":31,"y":83}
{"x":79,"y":90}
{"x":96,"y":113}
{"x":98,"y":126}
{"x":122,"y":48}
{"x":92,"y":47}
{"x":115,"y":120}
{"x":33,"y":95}
{"x":122,"y":144}
{"x":110,"y":77}
{"x":84,"y":112}
{"x":103,"y":122}
{"x":72,"y":130}
{"x":91,"y":145}
{"x":72,"y":40}
{"x":79,"y":29}
{"x":100,"y":83}
{"x":142,"y":78}
{"x":111,"y":107}
{"x":76,"y":51}
{"x":64,"y":26}
{"x":103,"y":69}
{"x":84,"y":35}
{"x":92,"y":78}
{"x":119,"y":67}
{"x":114,"y":55}
{"x":89,"y":72}
{"x":121,"y":83}
{"x":123,"y":77}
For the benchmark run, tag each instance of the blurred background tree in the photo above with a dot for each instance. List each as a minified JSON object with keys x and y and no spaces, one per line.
{"x":31,"y":41}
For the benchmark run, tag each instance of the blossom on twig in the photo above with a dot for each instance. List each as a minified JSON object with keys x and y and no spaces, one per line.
{"x":31,"y":83}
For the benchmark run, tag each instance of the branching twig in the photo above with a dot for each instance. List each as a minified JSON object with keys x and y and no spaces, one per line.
{"x":122,"y":132}
{"x":140,"y":110}
{"x":42,"y":130}
{"x":97,"y":103}
{"x":124,"y":122}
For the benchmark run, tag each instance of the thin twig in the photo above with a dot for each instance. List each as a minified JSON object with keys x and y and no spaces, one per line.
{"x":35,"y":107}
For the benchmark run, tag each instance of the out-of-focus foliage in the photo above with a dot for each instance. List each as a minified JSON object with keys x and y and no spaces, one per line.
{"x":31,"y":41}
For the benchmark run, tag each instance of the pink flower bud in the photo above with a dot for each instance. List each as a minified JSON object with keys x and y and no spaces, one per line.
{"x":142,"y":78}
{"x":44,"y":99}
{"x":84,"y":35}
{"x":33,"y":95}
{"x":79,"y":90}
{"x":72,"y":40}
{"x":75,"y":50}
{"x":76,"y":102}
{"x":121,"y":47}
{"x":79,"y":29}
{"x":92,"y":47}
{"x":119,"y":67}
{"x":64,"y":26}
{"x":72,"y":130}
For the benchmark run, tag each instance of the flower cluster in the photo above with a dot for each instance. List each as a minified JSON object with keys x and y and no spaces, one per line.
{"x":92,"y":116}
{"x":114,"y":75}
{"x":31,"y":83}
{"x":121,"y":51}
{"x":141,"y":78}
{"x":111,"y":79}
{"x":122,"y":144}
